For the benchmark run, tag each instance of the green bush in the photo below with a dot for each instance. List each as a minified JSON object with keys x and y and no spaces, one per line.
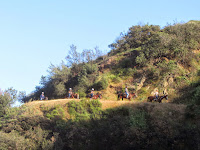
{"x":82,"y":94}
{"x":101,"y":85}
{"x":90,"y":68}
{"x":84,"y":109}
{"x":40,"y":137}
{"x":114,"y":78}
{"x":57,"y":113}
{"x":5,"y":101}
{"x":77,"y":111}
{"x":13,"y":141}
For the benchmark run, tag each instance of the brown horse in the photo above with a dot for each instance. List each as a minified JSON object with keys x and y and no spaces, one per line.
{"x":73,"y":95}
{"x":98,"y":95}
{"x":45,"y":98}
{"x":159,"y":99}
{"x":123,"y":95}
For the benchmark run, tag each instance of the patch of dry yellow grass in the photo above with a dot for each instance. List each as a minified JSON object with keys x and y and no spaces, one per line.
{"x":52,"y":103}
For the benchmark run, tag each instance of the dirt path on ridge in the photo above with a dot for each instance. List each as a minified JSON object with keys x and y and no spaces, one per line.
{"x":105,"y":103}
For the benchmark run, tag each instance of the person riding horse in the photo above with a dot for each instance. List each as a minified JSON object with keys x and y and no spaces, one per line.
{"x":159,"y":99}
{"x":42,"y":97}
{"x":92,"y":93}
{"x":156,"y":95}
{"x":70,"y":92}
{"x":126,"y":91}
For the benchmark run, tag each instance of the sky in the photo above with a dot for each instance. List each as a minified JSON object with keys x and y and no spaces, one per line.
{"x":37,"y":33}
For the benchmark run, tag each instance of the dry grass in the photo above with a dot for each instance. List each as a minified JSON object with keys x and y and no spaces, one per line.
{"x":52,"y":103}
{"x":163,"y":111}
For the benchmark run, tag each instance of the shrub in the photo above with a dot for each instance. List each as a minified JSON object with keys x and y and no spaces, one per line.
{"x":77,"y":111}
{"x":126,"y":63}
{"x":90,"y":68}
{"x":40,"y":137}
{"x":13,"y":140}
{"x":82,"y":94}
{"x":57,"y":113}
{"x":114,"y":78}
{"x":84,"y":109}
{"x":101,"y":85}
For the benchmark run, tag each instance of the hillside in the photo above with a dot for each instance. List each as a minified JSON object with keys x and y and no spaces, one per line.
{"x":106,"y":104}
{"x":145,"y":59}
{"x":75,"y":124}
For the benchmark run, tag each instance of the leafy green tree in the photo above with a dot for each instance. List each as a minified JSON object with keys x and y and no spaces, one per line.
{"x":6,"y":99}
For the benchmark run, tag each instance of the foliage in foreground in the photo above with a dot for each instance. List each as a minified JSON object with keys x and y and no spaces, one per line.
{"x":138,"y":126}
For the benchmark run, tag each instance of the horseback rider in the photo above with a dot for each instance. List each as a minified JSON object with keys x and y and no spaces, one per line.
{"x":126,"y":91}
{"x":42,"y":97}
{"x":156,"y":95}
{"x":92,"y":93}
{"x":70,"y":92}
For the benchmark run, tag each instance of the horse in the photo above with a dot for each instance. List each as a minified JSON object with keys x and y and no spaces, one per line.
{"x":123,"y":95}
{"x":74,"y":95}
{"x":45,"y":98}
{"x":98,"y":95}
{"x":159,"y":99}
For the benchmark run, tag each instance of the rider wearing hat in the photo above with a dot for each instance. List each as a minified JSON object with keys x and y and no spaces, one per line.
{"x":92,"y":92}
{"x":156,"y":94}
{"x":127,"y":92}
{"x":70,"y":92}
{"x":42,"y":97}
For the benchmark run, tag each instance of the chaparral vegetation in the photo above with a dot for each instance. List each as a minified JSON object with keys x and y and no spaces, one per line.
{"x":145,"y":58}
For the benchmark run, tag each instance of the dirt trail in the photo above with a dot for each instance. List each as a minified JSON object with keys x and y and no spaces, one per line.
{"x":105,"y":103}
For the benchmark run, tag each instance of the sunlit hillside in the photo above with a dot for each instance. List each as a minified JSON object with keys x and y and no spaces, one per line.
{"x":145,"y":59}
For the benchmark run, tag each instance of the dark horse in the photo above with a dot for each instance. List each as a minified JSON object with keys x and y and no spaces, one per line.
{"x":159,"y":99}
{"x":123,"y":95}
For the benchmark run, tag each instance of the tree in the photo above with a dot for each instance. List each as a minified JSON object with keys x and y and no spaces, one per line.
{"x":6,"y":99}
{"x":21,"y":95}
{"x":74,"y":57}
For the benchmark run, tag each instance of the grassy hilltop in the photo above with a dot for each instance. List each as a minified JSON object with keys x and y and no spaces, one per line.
{"x":145,"y":58}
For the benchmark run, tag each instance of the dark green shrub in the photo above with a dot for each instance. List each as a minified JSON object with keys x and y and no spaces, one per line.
{"x":90,"y":68}
{"x":126,"y":63}
{"x":101,"y":85}
{"x":138,"y":119}
{"x":196,"y":96}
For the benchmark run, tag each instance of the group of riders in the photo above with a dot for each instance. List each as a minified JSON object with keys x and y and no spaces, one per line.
{"x":70,"y":92}
{"x":156,"y":94}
